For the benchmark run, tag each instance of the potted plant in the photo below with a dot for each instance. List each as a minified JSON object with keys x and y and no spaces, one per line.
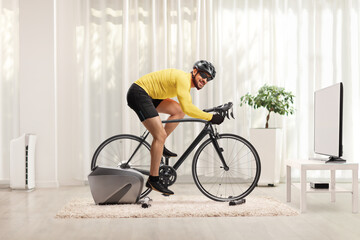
{"x":274,"y":99}
{"x":268,"y":142}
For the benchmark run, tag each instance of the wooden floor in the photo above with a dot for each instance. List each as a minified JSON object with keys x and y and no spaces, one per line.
{"x":30,"y":215}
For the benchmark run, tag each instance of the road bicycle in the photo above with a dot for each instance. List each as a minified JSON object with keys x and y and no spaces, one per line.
{"x":225,"y":167}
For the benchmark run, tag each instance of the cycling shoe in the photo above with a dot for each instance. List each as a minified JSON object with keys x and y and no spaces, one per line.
{"x":158,"y":186}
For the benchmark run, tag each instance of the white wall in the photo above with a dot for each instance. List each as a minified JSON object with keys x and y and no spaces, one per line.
{"x":37,"y":98}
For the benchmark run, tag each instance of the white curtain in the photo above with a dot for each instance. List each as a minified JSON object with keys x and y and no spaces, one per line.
{"x":8,"y":82}
{"x":299,"y":45}
{"x":105,"y":45}
{"x":119,"y":41}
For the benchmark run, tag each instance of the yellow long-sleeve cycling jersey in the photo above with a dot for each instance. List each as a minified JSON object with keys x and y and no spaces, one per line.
{"x":171,"y":83}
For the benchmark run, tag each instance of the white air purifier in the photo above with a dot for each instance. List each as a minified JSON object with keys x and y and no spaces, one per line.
{"x":22,"y":162}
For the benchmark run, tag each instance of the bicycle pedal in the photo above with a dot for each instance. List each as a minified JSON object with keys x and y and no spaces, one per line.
{"x":237,"y":202}
{"x":165,"y":195}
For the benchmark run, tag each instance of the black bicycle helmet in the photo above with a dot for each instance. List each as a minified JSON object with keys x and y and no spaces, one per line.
{"x":205,"y":66}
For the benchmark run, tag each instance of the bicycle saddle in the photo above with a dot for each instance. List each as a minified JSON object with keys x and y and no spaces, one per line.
{"x":168,"y":153}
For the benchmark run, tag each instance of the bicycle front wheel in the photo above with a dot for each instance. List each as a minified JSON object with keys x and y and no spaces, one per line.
{"x":124,"y":151}
{"x":226,"y":185}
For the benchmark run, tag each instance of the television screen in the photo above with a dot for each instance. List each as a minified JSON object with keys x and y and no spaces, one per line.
{"x":328,"y":121}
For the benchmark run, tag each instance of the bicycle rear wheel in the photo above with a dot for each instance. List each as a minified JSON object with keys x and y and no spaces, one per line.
{"x":116,"y":151}
{"x":226,"y":185}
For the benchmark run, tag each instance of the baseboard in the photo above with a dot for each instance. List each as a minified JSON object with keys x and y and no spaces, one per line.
{"x":46,"y":184}
{"x":268,"y":183}
{"x":185,"y":179}
{"x":64,"y":183}
{"x":4,"y":183}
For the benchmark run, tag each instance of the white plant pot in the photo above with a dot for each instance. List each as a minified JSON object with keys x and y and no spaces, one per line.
{"x":268,"y":144}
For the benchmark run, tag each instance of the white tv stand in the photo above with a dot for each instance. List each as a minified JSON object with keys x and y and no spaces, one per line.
{"x":304,"y":165}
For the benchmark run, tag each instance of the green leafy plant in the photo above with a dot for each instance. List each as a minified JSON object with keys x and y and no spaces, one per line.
{"x":274,"y":99}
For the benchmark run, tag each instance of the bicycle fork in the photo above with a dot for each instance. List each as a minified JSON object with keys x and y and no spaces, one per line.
{"x":214,"y":136}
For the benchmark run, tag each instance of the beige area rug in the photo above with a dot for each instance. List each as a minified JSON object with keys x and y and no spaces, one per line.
{"x":175,"y":206}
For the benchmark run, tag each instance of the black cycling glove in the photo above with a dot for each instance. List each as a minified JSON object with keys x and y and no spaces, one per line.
{"x":217,"y":119}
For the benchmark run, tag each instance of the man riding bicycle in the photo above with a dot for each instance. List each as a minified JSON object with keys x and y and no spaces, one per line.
{"x":151,"y":94}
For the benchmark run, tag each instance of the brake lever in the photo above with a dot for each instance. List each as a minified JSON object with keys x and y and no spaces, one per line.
{"x":222,"y":114}
{"x":227,"y":114}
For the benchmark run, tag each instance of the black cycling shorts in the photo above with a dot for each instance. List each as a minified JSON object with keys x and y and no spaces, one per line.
{"x":139,"y":101}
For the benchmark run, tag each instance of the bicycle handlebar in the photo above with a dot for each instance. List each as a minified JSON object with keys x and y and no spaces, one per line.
{"x":223,"y":110}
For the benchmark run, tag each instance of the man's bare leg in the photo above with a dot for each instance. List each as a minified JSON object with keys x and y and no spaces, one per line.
{"x":158,"y":132}
{"x":172,"y":108}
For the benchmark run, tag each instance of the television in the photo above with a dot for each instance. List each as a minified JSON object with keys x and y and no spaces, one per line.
{"x":328,"y":122}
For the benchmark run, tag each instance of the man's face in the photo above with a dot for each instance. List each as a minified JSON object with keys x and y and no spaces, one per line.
{"x":200,"y":79}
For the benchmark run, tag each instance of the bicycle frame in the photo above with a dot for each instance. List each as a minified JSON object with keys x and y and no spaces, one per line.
{"x":207,"y":130}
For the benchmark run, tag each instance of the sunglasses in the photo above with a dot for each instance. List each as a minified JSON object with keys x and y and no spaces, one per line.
{"x":205,"y":76}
